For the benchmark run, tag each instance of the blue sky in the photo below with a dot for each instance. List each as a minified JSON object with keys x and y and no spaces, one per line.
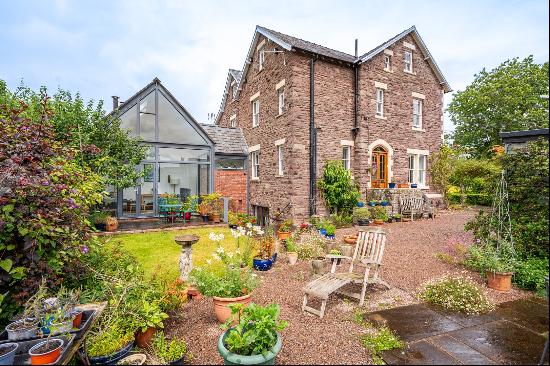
{"x":104,"y":48}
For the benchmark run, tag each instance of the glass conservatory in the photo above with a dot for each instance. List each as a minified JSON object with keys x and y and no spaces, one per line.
{"x":179,"y":160}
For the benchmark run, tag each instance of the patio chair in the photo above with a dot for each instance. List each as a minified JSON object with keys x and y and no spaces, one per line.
{"x":409,"y":206}
{"x":369,"y":251}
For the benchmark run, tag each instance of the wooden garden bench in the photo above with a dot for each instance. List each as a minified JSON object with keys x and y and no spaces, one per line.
{"x":369,"y":250}
{"x":409,"y":206}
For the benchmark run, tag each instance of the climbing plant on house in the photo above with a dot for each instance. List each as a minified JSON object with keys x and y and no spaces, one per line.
{"x":339,"y":190}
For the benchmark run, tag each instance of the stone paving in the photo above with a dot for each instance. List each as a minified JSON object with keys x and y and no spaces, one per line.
{"x":513,"y":334}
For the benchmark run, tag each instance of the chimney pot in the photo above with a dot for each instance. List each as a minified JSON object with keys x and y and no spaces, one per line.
{"x":115,"y":102}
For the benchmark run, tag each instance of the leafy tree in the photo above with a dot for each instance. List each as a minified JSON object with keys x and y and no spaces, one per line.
{"x":506,"y":98}
{"x":98,"y":142}
{"x":339,"y":190}
{"x":441,"y":167}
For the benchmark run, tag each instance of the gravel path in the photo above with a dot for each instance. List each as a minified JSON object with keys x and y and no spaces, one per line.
{"x":409,"y":261}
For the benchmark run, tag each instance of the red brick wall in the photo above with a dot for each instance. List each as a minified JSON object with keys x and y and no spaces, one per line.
{"x":232,"y":184}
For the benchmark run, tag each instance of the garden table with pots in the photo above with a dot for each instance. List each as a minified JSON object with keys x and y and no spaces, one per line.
{"x":335,"y":259}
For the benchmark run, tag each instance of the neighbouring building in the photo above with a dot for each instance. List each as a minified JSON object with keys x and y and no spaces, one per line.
{"x":300,"y":104}
{"x":514,"y":140}
{"x":184,"y":157}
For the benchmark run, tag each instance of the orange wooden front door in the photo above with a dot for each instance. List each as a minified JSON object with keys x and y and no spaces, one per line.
{"x":379,"y":168}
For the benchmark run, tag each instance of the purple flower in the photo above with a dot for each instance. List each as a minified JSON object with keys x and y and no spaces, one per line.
{"x":84,"y":249}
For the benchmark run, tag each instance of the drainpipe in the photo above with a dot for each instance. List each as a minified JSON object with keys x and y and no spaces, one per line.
{"x":355,"y":129}
{"x":115,"y":102}
{"x":312,"y":141}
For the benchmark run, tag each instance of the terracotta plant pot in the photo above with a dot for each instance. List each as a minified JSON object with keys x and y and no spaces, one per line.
{"x":350,"y":239}
{"x":318,"y":265}
{"x":77,"y":318}
{"x":499,"y":281}
{"x":292,"y":258}
{"x":215,"y":218}
{"x":221,"y":305}
{"x":403,"y":185}
{"x":111,"y":224}
{"x":378,"y":222}
{"x":194,"y":293}
{"x":283,"y":235}
{"x":40,"y":357}
{"x":143,"y":339}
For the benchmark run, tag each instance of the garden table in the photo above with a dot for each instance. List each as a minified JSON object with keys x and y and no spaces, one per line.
{"x":171,"y":211}
{"x":334,"y":258}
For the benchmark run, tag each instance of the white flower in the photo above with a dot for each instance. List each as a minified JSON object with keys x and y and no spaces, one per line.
{"x":230,"y":255}
{"x":236,"y":234}
{"x":208,"y":261}
{"x":216,"y":256}
{"x":249,"y":225}
{"x":238,"y":251}
{"x":220,"y":250}
{"x":212,"y":236}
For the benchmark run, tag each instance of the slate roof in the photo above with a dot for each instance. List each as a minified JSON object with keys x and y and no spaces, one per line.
{"x":228,"y":141}
{"x":308,"y":46}
{"x":236,"y":74}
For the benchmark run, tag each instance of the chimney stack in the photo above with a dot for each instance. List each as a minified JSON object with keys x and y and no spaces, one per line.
{"x":115,"y":102}
{"x":356,"y":47}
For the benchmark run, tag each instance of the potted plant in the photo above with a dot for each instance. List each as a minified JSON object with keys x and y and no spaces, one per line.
{"x":361,"y":216}
{"x":151,"y":318}
{"x":203,"y":211}
{"x":285,"y":229}
{"x":318,"y":265}
{"x":330,"y":231}
{"x":227,"y":286}
{"x":403,"y":185}
{"x":263,"y":261}
{"x":233,"y":220}
{"x":360,"y":204}
{"x":397,"y":217}
{"x":392,"y":184}
{"x":255,"y":340}
{"x":291,"y":252}
{"x":46,"y":352}
{"x":99,"y":219}
{"x":111,"y":223}
{"x":167,"y":352}
{"x":7,"y":353}
{"x":110,"y":341}
{"x":380,"y":214}
{"x":336,"y":252}
{"x":350,"y":239}
{"x":133,"y":359}
{"x":497,"y":259}
{"x":214,"y":206}
{"x":28,"y":326}
{"x":414,"y":185}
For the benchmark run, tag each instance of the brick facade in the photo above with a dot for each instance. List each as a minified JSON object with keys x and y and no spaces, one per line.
{"x":232,"y":184}
{"x":334,"y":119}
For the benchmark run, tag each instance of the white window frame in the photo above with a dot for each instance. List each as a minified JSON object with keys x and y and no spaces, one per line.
{"x":408,"y":61}
{"x":421,"y":171}
{"x":280,"y":159}
{"x":261,"y":58}
{"x":411,"y":167}
{"x":417,"y":113}
{"x":346,"y":157}
{"x":380,"y":102}
{"x":417,"y":167}
{"x":233,"y":120}
{"x":255,"y":159}
{"x":256,"y":112}
{"x":281,"y":97}
{"x":387,"y":62}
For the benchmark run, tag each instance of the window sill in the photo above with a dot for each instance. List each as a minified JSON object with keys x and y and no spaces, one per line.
{"x":254,"y":179}
{"x":389,"y":70}
{"x":418,"y":129}
{"x":380,"y":117}
{"x":409,"y":72}
{"x":254,"y":126}
{"x":279,"y":115}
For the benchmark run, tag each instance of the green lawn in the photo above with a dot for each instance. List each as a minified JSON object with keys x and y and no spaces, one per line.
{"x":158,"y":253}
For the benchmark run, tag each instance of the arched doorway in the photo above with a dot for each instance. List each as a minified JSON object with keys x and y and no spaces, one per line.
{"x":379,"y":175}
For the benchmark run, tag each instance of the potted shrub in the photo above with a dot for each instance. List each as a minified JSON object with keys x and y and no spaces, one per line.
{"x":203,"y":210}
{"x":109,"y":342}
{"x":291,"y":252}
{"x":499,"y":264}
{"x":380,"y":214}
{"x":361,"y":216}
{"x":285,"y":229}
{"x":214,"y":206}
{"x":7,"y":353}
{"x":263,"y":261}
{"x":167,"y":352}
{"x":111,"y":223}
{"x":151,"y":318}
{"x":392,"y":184}
{"x":46,"y":352}
{"x":226,"y":286}
{"x":255,"y":340}
{"x":330,"y":231}
{"x":232,"y":220}
{"x":98,"y":219}
{"x":397,"y":217}
{"x":360,"y":204}
{"x":28,"y":326}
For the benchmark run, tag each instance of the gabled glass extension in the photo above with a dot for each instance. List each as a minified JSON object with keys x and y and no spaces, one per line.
{"x":179,"y":160}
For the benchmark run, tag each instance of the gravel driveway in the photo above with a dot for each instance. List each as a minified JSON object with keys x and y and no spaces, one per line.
{"x":409,"y":261}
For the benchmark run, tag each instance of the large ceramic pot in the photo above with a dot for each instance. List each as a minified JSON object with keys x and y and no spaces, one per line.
{"x":221,"y":305}
{"x":234,"y":359}
{"x":347,"y":250}
{"x":384,"y":203}
{"x":111,"y":224}
{"x":143,"y":339}
{"x":215,"y":218}
{"x":363,"y":222}
{"x":318,"y":265}
{"x":113,"y":357}
{"x":292,"y":258}
{"x":262,"y":264}
{"x":47,"y":352}
{"x":8,"y":353}
{"x":283,"y":235}
{"x":378,"y":222}
{"x":499,"y":281}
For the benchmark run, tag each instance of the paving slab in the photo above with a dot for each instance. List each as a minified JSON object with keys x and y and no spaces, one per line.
{"x":503,"y":341}
{"x":419,"y":353}
{"x":465,"y":354}
{"x":413,"y":322}
{"x":527,"y":313}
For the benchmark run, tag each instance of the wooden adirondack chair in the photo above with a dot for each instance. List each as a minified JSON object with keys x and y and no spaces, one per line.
{"x":409,"y":206}
{"x":369,"y":250}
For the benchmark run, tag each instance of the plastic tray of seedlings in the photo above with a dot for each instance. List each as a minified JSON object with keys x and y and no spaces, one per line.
{"x":22,"y":356}
{"x":87,"y":316}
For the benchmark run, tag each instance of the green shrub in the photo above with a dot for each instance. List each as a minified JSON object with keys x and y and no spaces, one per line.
{"x":339,"y":190}
{"x":457,"y":294}
{"x":165,"y":351}
{"x":108,"y":341}
{"x":342,"y":220}
{"x":379,"y":213}
{"x":485,"y":257}
{"x":530,"y":273}
{"x":380,"y":340}
{"x":310,"y":247}
{"x":361,"y":213}
{"x":230,"y":282}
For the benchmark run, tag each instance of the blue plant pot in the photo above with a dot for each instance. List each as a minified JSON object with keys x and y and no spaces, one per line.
{"x":372,"y":203}
{"x":262,"y":264}
{"x":392,"y":185}
{"x":329,"y":236}
{"x":323,"y":232}
{"x":360,"y":204}
{"x":274,"y":257}
{"x":384,"y":203}
{"x":8,"y":358}
{"x":414,"y":185}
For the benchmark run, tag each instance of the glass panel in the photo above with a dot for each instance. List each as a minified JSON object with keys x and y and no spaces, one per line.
{"x":109,"y":203}
{"x":382,"y":169}
{"x":174,"y":154}
{"x":229,"y":164}
{"x":129,"y":201}
{"x":173,"y":127}
{"x":128,"y":120}
{"x":150,"y":153}
{"x":147,"y":117}
{"x":183,"y":179}
{"x":204,"y":178}
{"x":147,"y":189}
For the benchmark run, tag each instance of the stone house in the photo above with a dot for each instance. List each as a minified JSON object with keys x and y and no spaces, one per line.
{"x":300,"y":104}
